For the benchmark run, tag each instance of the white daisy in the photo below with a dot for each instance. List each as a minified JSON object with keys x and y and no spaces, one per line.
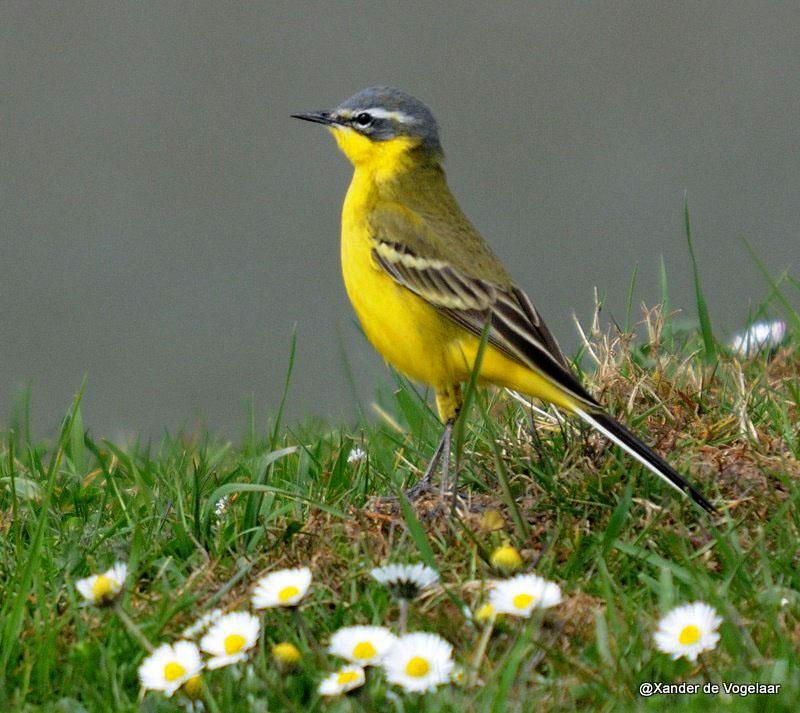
{"x":222,"y":505}
{"x":230,"y":638}
{"x":170,"y":666}
{"x":201,"y":624}
{"x":758,"y":336}
{"x":364,"y":645}
{"x":283,"y":588}
{"x":356,"y":455}
{"x":522,"y":594}
{"x":342,"y":681}
{"x":103,"y":588}
{"x":688,"y":630}
{"x":458,"y":675}
{"x":405,"y":580}
{"x":419,"y":662}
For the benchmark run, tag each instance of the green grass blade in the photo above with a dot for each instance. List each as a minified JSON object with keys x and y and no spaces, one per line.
{"x":617,"y":520}
{"x":469,"y":395}
{"x":349,"y":376}
{"x":417,"y":532}
{"x":289,"y":369}
{"x":520,"y":526}
{"x":664,"y":282}
{"x":666,"y":307}
{"x":710,"y":349}
{"x":629,"y":304}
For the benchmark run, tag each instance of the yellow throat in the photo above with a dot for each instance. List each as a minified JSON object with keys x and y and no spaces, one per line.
{"x":381,"y":157}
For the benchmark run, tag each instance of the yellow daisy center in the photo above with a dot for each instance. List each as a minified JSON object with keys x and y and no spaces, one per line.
{"x":102,"y":587}
{"x":233,"y":643}
{"x":689,"y":635}
{"x":194,"y":687}
{"x":523,"y":601}
{"x":417,"y":667}
{"x":173,"y":671}
{"x":347,"y":677}
{"x":288,"y":593}
{"x":364,"y":650}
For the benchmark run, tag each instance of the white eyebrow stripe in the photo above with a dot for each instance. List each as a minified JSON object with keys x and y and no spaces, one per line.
{"x":380,"y":113}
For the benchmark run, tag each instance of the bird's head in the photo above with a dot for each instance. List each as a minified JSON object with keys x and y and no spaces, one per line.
{"x":380,"y":126}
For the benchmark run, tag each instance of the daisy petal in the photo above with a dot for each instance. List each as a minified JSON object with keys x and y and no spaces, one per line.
{"x":284,"y":588}
{"x":688,"y":631}
{"x":419,"y":662}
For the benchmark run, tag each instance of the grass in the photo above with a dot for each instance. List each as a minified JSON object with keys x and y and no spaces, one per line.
{"x":198,"y":520}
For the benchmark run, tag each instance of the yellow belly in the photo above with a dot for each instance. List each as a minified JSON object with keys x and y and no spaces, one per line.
{"x":409,"y":333}
{"x":406,"y":331}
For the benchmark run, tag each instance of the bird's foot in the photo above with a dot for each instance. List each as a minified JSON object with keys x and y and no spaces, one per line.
{"x":422,"y":487}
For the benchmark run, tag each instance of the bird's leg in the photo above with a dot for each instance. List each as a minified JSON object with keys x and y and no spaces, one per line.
{"x":446,"y":471}
{"x":448,"y":432}
{"x":443,"y":449}
{"x":448,"y":404}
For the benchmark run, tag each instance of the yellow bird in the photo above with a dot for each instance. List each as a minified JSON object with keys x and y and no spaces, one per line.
{"x":424,"y":284}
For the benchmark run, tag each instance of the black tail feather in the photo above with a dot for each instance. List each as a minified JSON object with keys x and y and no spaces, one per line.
{"x":624,"y":438}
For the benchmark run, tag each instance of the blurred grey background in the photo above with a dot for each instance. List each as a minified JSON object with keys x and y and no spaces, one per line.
{"x":164,"y":223}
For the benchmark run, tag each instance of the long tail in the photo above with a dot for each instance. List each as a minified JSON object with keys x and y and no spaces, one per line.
{"x":615,"y":431}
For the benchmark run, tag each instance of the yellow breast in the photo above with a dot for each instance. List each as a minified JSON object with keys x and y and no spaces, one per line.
{"x":410,"y":334}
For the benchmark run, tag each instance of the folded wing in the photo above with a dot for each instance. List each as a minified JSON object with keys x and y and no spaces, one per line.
{"x":515,"y":327}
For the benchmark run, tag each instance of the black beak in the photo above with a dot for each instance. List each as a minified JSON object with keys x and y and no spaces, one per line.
{"x":318,"y":117}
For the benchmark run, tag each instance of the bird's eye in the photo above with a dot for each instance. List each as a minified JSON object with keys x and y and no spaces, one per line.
{"x":364,"y":119}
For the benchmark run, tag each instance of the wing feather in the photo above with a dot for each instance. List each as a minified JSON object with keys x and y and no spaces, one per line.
{"x":516,"y":328}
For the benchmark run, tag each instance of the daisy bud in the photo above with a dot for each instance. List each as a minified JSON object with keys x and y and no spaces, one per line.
{"x":286,"y":653}
{"x":506,"y":558}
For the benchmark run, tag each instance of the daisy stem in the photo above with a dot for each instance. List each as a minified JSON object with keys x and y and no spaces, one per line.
{"x":133,"y":630}
{"x":480,"y":651}
{"x":209,"y":699}
{"x":704,"y":668}
{"x":403,"y":621}
{"x":359,"y":699}
{"x":310,"y":640}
